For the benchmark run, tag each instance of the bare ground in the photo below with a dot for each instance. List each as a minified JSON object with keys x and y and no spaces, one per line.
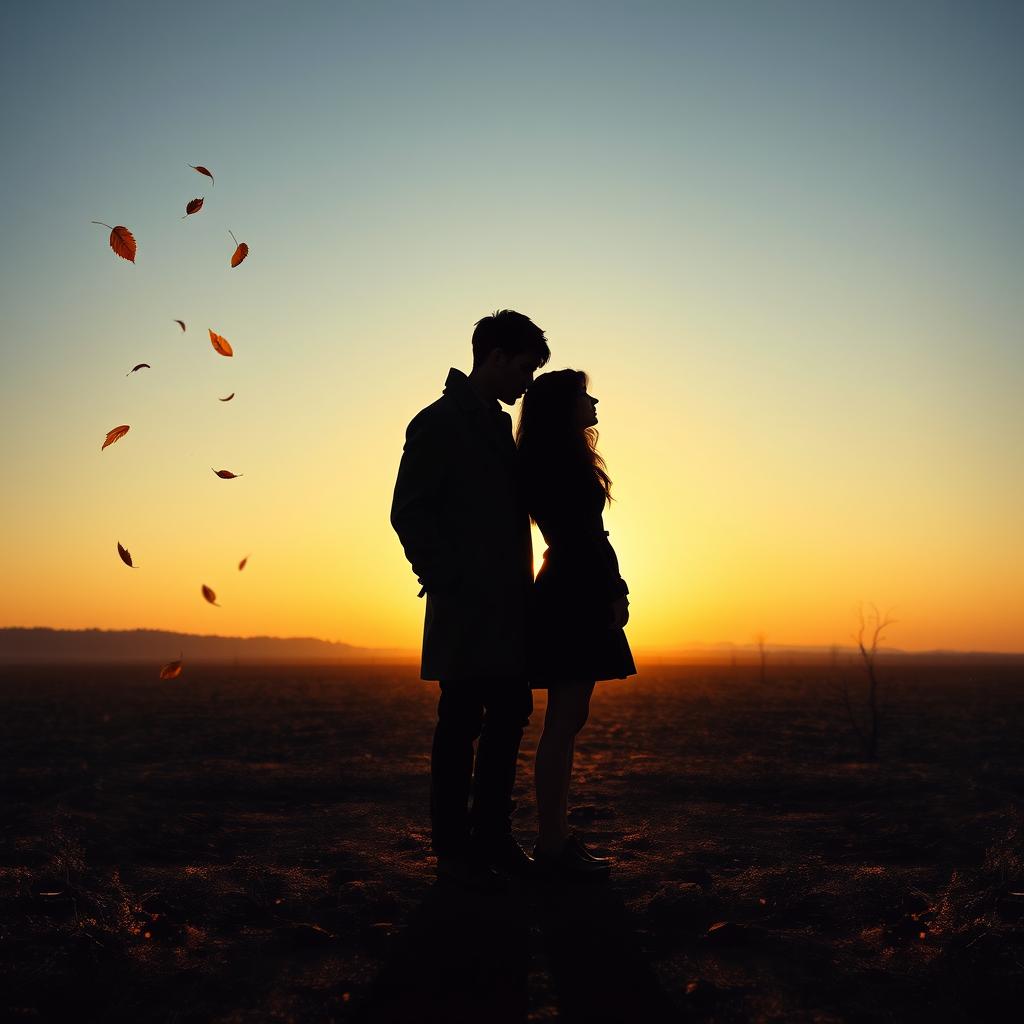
{"x":250,"y":845}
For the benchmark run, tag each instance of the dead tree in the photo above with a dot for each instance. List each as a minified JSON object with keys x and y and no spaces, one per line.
{"x":867,"y":731}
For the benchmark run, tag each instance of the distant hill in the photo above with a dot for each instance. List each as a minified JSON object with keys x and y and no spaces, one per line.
{"x":47,"y":646}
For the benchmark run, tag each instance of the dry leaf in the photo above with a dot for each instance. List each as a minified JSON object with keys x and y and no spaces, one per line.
{"x":210,"y":595}
{"x":226,"y":474}
{"x":122,"y":241}
{"x":220,"y":344}
{"x":115,"y":435}
{"x":125,"y":556}
{"x":194,"y":206}
{"x":181,"y":323}
{"x":241,"y":250}
{"x":171,"y":670}
{"x":228,"y":399}
{"x":241,"y":564}
{"x":202,"y":170}
{"x":139,"y":367}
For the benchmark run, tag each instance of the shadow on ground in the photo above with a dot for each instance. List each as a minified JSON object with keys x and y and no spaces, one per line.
{"x":468,"y":957}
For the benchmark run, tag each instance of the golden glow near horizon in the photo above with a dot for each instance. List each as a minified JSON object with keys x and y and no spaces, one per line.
{"x":802,"y":322}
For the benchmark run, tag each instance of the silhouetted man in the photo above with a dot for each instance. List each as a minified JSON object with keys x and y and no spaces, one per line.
{"x":464,"y":526}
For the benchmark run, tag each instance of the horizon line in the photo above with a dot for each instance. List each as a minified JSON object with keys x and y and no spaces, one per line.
{"x":721,"y":647}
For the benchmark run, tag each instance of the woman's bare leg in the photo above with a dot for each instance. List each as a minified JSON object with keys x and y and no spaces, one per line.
{"x":567,"y":781}
{"x":568,"y":707}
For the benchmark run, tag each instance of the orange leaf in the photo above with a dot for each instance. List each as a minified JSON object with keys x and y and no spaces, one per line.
{"x":171,"y":670}
{"x":241,"y":250}
{"x":202,"y":170}
{"x":228,"y":399}
{"x":193,"y":206}
{"x":125,"y":556}
{"x":241,"y":564}
{"x":210,"y":595}
{"x":220,"y":344}
{"x":115,"y":435}
{"x":139,"y":367}
{"x":226,"y":474}
{"x":181,"y":323}
{"x":122,"y":241}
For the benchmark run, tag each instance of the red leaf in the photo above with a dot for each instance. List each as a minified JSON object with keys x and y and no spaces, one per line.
{"x":210,"y":595}
{"x":228,"y":399}
{"x":241,"y":250}
{"x":181,"y":323}
{"x":226,"y":474}
{"x":114,"y":435}
{"x":139,"y":367}
{"x":122,"y":241}
{"x":193,"y":206}
{"x":220,"y":344}
{"x":171,"y":670}
{"x":202,"y":170}
{"x":241,"y":564}
{"x":125,"y":556}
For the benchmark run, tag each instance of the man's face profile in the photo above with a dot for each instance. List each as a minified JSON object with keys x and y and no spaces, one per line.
{"x":514,"y":374}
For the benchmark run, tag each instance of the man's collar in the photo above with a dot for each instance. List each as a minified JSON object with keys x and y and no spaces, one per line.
{"x":457,"y":385}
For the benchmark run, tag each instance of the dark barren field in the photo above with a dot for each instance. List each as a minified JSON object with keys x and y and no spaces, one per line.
{"x":249,"y":845}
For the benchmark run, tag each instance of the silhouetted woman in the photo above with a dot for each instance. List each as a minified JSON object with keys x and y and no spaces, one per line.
{"x":579,"y":602}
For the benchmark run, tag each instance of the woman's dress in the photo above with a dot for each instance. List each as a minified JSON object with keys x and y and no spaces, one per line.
{"x":571,"y":637}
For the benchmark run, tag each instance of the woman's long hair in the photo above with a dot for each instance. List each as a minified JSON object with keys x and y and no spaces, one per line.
{"x":551,"y":445}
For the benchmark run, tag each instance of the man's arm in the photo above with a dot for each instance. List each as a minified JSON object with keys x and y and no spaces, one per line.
{"x":416,"y":503}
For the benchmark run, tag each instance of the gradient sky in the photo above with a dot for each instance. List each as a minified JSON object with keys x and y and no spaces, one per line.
{"x":785,"y":240}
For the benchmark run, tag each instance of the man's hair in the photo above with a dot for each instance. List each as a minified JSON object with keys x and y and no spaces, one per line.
{"x":513,"y":333}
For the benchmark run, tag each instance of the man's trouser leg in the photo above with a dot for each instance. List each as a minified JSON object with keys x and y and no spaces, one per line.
{"x":508,"y":704}
{"x":460,"y":714}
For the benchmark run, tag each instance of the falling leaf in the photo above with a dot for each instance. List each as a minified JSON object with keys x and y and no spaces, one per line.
{"x":202,"y":170}
{"x":241,"y":250}
{"x":220,"y":344}
{"x":226,"y":474}
{"x":171,"y":670}
{"x":115,"y":435}
{"x":194,"y":206}
{"x":181,"y":323}
{"x":210,"y":595}
{"x":241,"y":564}
{"x":122,"y":241}
{"x":125,"y":556}
{"x":139,"y":367}
{"x":228,"y":399}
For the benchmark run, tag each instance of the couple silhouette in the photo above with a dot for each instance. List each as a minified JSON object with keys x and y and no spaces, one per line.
{"x":464,"y":497}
